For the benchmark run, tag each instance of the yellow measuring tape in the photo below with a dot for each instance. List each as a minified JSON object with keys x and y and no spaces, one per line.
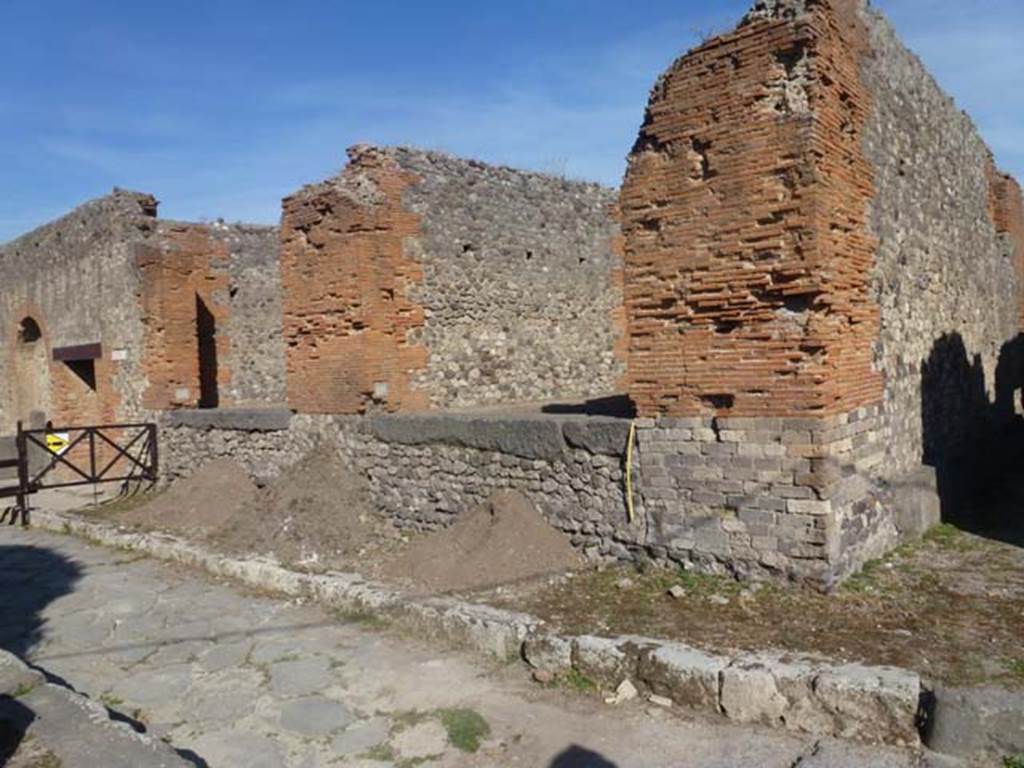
{"x":629,"y":471}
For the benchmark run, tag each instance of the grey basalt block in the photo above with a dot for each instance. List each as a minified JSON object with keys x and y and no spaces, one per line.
{"x":234,"y":419}
{"x":526,"y":438}
{"x":598,"y":435}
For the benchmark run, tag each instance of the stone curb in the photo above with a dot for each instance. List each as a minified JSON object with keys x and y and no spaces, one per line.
{"x":76,"y":729}
{"x":800,"y":693}
{"x":495,"y":632}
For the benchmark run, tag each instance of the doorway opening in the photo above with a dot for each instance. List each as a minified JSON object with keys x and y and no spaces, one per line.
{"x":206,"y":336}
{"x":31,"y":374}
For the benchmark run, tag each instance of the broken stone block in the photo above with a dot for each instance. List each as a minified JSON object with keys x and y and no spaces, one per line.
{"x":685,"y":675}
{"x":876,"y":704}
{"x":550,"y":653}
{"x":625,"y":692}
{"x":600,"y":659}
{"x":769,"y":689}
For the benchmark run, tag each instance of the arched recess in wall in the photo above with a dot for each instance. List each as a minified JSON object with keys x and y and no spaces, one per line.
{"x":31,"y":373}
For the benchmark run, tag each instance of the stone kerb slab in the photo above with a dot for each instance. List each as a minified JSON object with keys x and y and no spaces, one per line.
{"x":75,"y":729}
{"x":804,"y":694}
{"x":798,"y":693}
{"x":532,"y":436}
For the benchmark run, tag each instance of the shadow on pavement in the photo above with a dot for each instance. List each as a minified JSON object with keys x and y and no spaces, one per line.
{"x":15,"y":719}
{"x":30,"y":579}
{"x":578,"y":757}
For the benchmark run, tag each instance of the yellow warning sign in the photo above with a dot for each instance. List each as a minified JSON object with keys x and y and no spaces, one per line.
{"x":57,"y":442}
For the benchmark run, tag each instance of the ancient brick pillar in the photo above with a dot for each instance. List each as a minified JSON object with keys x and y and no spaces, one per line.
{"x":801,"y":237}
{"x":184,"y":298}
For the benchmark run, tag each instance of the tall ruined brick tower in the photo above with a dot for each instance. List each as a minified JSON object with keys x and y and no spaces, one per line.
{"x":745,"y":208}
{"x":814,"y":237}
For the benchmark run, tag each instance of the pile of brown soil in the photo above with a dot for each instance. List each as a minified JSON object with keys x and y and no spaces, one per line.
{"x":201,"y":503}
{"x":503,"y":541}
{"x":317,"y":513}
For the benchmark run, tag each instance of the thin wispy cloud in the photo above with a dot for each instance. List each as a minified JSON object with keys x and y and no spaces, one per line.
{"x":225,"y":123}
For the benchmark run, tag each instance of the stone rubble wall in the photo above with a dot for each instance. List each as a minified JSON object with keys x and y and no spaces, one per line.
{"x":111,"y":272}
{"x":782,"y":498}
{"x":418,"y":280}
{"x":256,"y":354}
{"x":944,"y":278}
{"x":423,"y":471}
{"x":521,"y":283}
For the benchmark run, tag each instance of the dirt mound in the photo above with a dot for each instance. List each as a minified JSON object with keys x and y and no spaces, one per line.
{"x":318,"y":512}
{"x":504,"y":540}
{"x":202,"y":502}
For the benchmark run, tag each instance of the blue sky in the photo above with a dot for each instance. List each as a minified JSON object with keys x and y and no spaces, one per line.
{"x":222,"y":107}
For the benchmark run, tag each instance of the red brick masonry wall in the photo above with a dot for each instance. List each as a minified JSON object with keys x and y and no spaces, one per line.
{"x":183,"y":262}
{"x":1007,"y":208}
{"x":346,"y":282}
{"x":748,"y":256}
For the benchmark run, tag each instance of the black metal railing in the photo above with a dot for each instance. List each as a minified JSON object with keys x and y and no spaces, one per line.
{"x":110,"y":453}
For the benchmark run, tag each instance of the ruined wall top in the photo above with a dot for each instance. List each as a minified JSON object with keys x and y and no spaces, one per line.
{"x":119,"y":205}
{"x":416,"y":279}
{"x":777,"y":9}
{"x":356,"y":182}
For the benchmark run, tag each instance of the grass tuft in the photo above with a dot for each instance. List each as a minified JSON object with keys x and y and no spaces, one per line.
{"x":1016,"y":667}
{"x":381,"y":753}
{"x":365,"y":618}
{"x":577,"y":681}
{"x":949,"y":537}
{"x":23,"y":689}
{"x":466,"y":728}
{"x":110,"y":701}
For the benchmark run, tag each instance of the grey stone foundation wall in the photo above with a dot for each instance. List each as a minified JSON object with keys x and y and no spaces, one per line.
{"x":521,"y":283}
{"x":426,"y":470}
{"x":762,"y":497}
{"x":944,"y":278}
{"x":757,"y":498}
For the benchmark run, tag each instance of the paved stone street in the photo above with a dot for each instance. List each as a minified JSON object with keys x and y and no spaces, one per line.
{"x":237,"y":679}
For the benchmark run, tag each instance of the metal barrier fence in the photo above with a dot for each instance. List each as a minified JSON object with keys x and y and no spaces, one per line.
{"x":110,"y":453}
